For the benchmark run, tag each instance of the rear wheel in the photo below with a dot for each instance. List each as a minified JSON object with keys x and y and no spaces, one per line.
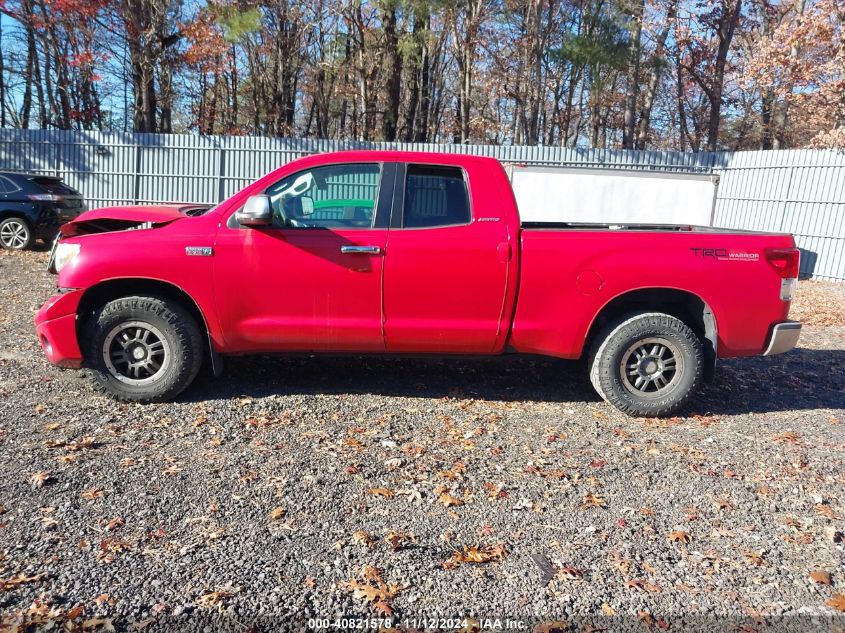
{"x":15,"y":234}
{"x":647,"y":364}
{"x":142,"y":349}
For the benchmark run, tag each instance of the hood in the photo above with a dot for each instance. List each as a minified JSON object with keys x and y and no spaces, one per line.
{"x":124,"y":218}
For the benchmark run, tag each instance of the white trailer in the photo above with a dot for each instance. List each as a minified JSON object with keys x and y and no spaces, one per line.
{"x":576,"y":195}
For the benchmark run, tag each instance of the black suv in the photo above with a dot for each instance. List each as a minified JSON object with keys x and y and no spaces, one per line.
{"x":34,"y":207}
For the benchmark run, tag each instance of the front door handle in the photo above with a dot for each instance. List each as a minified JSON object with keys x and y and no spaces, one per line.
{"x":364,"y":250}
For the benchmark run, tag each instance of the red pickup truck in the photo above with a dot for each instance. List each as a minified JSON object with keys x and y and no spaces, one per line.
{"x":408,"y":253}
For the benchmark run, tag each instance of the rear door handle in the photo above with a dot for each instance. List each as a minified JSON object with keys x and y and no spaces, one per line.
{"x":364,"y":250}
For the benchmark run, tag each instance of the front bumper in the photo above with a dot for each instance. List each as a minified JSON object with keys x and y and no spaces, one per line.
{"x":55,"y":324}
{"x":783,"y":338}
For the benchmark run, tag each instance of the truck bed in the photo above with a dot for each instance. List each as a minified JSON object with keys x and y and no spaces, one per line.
{"x":569,"y":273}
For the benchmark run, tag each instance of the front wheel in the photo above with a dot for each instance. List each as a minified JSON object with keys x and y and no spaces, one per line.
{"x":142,"y":349}
{"x":647,"y":364}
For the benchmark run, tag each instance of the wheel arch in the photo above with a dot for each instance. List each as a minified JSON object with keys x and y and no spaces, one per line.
{"x":682,"y":304}
{"x":108,"y":290}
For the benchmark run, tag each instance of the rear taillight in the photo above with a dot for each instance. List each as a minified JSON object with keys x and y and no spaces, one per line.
{"x":786,"y":262}
{"x":45,"y":197}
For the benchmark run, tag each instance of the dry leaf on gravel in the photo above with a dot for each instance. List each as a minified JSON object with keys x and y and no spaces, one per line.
{"x":383,"y":609}
{"x":837,"y":601}
{"x":755,"y":558}
{"x":373,"y":589}
{"x":278,"y":514}
{"x":679,"y":536}
{"x":642,"y":585}
{"x":787,"y":437}
{"x":821,"y":577}
{"x":91,"y":624}
{"x":825,"y":510}
{"x":448,"y":500}
{"x":570,"y":573}
{"x":20,"y":579}
{"x":381,"y":492}
{"x":40,"y":479}
{"x":93,"y":494}
{"x":398,"y":540}
{"x":476,"y":554}
{"x":212,"y":599}
{"x":592,"y":501}
{"x":360,"y":537}
{"x":115,"y":523}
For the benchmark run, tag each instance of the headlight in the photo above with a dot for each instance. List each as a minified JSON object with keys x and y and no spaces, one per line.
{"x":65,"y":254}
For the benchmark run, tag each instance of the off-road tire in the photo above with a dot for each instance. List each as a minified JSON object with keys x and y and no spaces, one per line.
{"x":16,"y":234}
{"x":616,"y":341}
{"x":180,"y":336}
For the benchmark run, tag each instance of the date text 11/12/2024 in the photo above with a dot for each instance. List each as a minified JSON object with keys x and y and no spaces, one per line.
{"x":418,"y":623}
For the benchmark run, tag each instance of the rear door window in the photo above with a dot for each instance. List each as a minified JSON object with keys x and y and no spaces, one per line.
{"x":435,"y":196}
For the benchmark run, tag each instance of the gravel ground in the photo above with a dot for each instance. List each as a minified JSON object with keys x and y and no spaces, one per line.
{"x":298,"y":488}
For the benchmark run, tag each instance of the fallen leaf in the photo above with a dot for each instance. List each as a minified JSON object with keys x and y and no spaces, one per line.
{"x":383,"y":608}
{"x":277,"y":513}
{"x":592,"y":501}
{"x":755,"y":558}
{"x":825,"y":510}
{"x":837,"y":601}
{"x":821,"y":577}
{"x":449,"y":501}
{"x":114,"y":524}
{"x":373,"y":588}
{"x":216,"y":598}
{"x":93,"y":494}
{"x":360,"y":537}
{"x":40,"y":479}
{"x":97,"y":623}
{"x":607,"y":609}
{"x":788,"y":437}
{"x":476,"y":554}
{"x":398,"y":540}
{"x":570,"y":573}
{"x":679,"y":536}
{"x":20,"y":579}
{"x":642,"y":585}
{"x":75,"y":612}
{"x":381,"y":492}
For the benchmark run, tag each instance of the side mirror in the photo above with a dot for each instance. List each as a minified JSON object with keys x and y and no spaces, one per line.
{"x":256,"y":212}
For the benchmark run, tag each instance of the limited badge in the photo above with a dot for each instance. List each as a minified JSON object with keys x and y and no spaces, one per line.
{"x":199,"y":251}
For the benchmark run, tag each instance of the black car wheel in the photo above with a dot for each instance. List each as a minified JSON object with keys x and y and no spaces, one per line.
{"x":142,"y":349}
{"x":15,"y":234}
{"x":647,"y":364}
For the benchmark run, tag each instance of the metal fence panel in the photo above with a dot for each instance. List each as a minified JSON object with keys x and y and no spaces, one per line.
{"x":798,"y":191}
